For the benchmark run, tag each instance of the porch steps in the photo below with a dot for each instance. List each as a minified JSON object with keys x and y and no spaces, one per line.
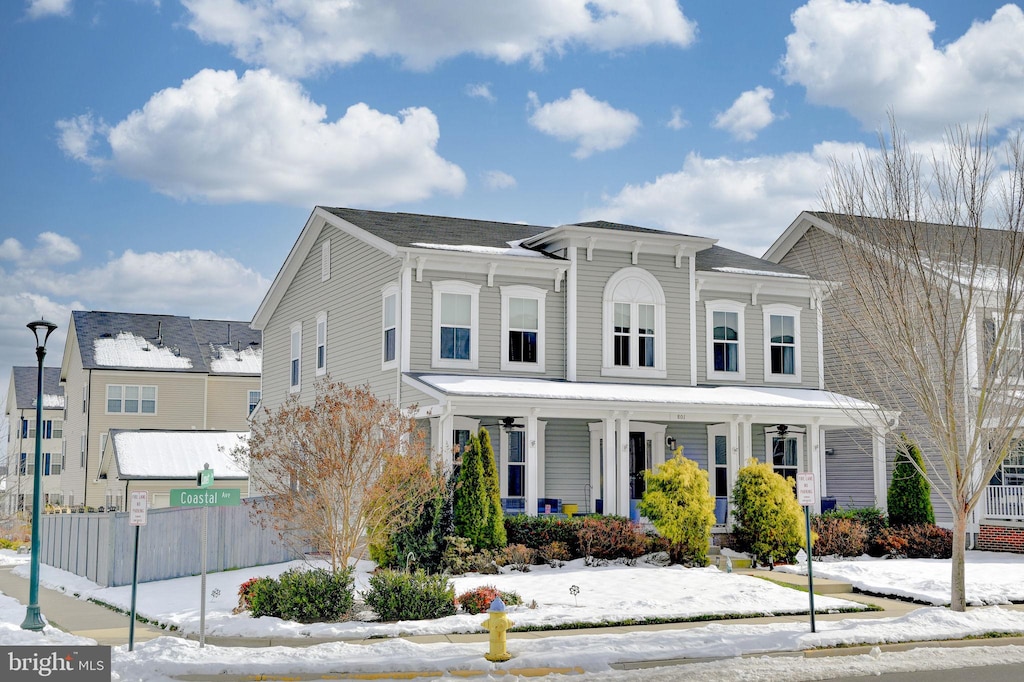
{"x":718,"y":560}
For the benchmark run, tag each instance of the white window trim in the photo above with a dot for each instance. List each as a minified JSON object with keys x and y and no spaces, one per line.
{"x":792,"y":311}
{"x":608,"y":367}
{"x":769,"y":454}
{"x":325,"y":260}
{"x":293,"y":355}
{"x":710,"y":307}
{"x":528,"y":292}
{"x":456,"y":287}
{"x":321,"y":319}
{"x":140,"y":413}
{"x":388,"y":291}
{"x":248,"y":401}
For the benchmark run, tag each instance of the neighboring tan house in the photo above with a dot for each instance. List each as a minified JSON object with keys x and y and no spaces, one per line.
{"x":21,"y":447}
{"x":159,"y":461}
{"x":134,"y":372}
{"x":588,"y":351}
{"x":810,"y":244}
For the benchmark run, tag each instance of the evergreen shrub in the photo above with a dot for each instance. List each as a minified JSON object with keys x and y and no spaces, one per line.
{"x":472,"y":502}
{"x":538,"y":531}
{"x":396,"y":595}
{"x":678,"y":502}
{"x":302,"y":595}
{"x":910,"y":495}
{"x":769,"y":521}
{"x":493,"y":536}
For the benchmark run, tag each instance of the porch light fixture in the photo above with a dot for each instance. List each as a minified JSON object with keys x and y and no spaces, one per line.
{"x":33,"y":618}
{"x":670,"y":443}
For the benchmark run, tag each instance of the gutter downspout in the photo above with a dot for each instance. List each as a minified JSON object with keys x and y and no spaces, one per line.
{"x":88,"y":419}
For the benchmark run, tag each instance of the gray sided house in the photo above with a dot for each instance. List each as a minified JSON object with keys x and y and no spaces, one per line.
{"x":22,"y":393}
{"x":810,"y":244}
{"x":132,"y":372}
{"x":589,"y":351}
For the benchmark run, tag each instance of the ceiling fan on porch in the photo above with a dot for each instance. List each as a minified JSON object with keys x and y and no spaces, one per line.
{"x":507,"y":423}
{"x":782,"y":430}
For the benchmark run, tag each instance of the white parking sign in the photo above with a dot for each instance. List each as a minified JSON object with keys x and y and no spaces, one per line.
{"x":139,"y":506}
{"x":805,"y":488}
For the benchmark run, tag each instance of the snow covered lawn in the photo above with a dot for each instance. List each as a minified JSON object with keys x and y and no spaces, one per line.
{"x":992,"y":577}
{"x":607,"y":594}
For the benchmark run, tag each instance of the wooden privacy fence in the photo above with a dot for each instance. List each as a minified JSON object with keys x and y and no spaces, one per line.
{"x":98,"y":546}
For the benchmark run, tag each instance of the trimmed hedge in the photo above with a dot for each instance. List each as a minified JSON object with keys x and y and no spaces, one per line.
{"x":537,"y":531}
{"x":395,"y":595}
{"x":302,"y":595}
{"x":922,"y":541}
{"x":839,"y":536}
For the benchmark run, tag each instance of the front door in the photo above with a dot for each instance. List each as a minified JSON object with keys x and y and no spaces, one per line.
{"x":640,"y":461}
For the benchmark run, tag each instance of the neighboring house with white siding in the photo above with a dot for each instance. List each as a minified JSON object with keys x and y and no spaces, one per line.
{"x":22,"y":392}
{"x":587,"y":350}
{"x":810,"y":244}
{"x":139,"y":372}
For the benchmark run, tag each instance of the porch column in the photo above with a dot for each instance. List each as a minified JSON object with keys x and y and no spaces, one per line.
{"x":733,"y":454}
{"x":445,"y":426}
{"x":622,"y":489}
{"x":746,"y":439}
{"x":817,"y":463}
{"x":878,"y":460}
{"x":532,"y":468}
{"x":610,"y":450}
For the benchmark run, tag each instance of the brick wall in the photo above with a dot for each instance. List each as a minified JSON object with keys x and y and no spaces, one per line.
{"x":1001,"y":539}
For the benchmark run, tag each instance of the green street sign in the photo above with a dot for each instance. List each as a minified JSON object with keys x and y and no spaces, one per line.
{"x":204,"y":478}
{"x":210,"y":497}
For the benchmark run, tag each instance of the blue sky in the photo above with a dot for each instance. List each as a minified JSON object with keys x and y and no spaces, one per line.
{"x":163,"y":155}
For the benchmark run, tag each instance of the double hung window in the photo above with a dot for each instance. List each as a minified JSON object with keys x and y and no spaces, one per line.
{"x":131,"y":399}
{"x":634,"y":325}
{"x":725,"y":348}
{"x":522,"y":328}
{"x":390,"y":326}
{"x":295,"y":366}
{"x":782,"y":343}
{"x":455,"y":325}
{"x":321,"y":344}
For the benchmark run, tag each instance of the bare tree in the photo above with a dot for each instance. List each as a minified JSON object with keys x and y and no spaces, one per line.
{"x":338,"y":473}
{"x":927,"y":312}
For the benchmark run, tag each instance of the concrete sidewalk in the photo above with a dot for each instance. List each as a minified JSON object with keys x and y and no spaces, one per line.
{"x":77,"y":616}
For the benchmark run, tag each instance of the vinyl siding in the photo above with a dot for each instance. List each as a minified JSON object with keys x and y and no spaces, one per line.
{"x":227,"y":402}
{"x":567,"y":461}
{"x":849,"y":471}
{"x":592,"y":276}
{"x":352,"y":300}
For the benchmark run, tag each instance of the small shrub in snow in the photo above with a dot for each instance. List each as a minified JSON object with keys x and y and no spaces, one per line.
{"x":315,"y":595}
{"x":518,"y":557}
{"x":679,"y":504}
{"x":839,"y":536}
{"x":260,"y":597}
{"x":554,"y":553}
{"x":611,"y":537}
{"x":769,"y":521}
{"x":479,"y":599}
{"x":395,"y":595}
{"x":537,"y":531}
{"x":923,"y":541}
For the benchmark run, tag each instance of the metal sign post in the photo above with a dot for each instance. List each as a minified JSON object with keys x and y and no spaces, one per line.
{"x":136,"y":517}
{"x":805,"y":496}
{"x":204,"y":479}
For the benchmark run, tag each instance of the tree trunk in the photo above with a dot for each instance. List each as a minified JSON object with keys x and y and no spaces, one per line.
{"x":958,"y":593}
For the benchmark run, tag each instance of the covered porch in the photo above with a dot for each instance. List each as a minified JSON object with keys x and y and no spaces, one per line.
{"x":589,"y":444}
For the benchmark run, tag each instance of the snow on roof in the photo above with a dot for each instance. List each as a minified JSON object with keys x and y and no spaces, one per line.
{"x":176,"y":454}
{"x":226,"y":360}
{"x":749,"y":396}
{"x":763,"y":273}
{"x":51,"y":402}
{"x":128,"y":350}
{"x":513,"y":250}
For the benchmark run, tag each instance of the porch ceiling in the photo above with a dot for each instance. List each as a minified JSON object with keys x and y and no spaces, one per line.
{"x":713,"y":402}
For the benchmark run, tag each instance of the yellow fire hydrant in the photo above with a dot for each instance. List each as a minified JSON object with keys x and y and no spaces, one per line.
{"x":497,"y":624}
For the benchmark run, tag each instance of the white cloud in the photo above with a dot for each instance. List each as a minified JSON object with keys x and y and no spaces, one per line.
{"x":196,"y":283}
{"x":749,"y":114}
{"x":51,"y":249}
{"x":677,"y":122}
{"x":260,"y":137}
{"x":496,"y":179}
{"x":38,"y":9}
{"x":594,"y":125}
{"x":481,"y":91}
{"x":745,"y":203}
{"x":868,"y":58}
{"x":298,"y":37}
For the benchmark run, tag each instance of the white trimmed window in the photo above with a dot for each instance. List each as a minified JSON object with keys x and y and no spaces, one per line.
{"x":295,"y":366}
{"x":725,"y":351}
{"x":456,"y":325}
{"x":522,"y":328}
{"x":131,"y":399}
{"x":783,"y":452}
{"x":254,"y":400}
{"x":781,"y":342}
{"x":389,"y":327}
{"x":321,"y":344}
{"x":633,"y":325}
{"x":325,"y":261}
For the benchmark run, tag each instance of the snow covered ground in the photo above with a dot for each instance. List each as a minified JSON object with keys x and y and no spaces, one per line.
{"x":602,"y":590}
{"x":991,"y":577}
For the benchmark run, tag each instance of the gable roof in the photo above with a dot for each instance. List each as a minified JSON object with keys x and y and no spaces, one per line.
{"x":140,"y":341}
{"x":26,"y":384}
{"x":720,"y":259}
{"x":173,"y":455}
{"x":410,"y":229}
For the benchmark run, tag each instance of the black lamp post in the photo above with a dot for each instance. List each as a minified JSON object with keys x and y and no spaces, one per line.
{"x":33,"y":618}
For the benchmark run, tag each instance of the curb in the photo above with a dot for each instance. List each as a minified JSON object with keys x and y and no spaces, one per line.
{"x":402,"y":675}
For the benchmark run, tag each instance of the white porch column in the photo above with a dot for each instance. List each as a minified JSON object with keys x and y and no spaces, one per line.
{"x":445,"y":426}
{"x":622,"y":489}
{"x":816,"y":460}
{"x":570,"y":315}
{"x":878,"y":460}
{"x":610,"y":450}
{"x":532,"y":469}
{"x":746,"y":440}
{"x":733,"y":454}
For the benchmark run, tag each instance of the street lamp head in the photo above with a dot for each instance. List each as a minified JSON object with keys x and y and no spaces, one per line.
{"x":38,"y":326}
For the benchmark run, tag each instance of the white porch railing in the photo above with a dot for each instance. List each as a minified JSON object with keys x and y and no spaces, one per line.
{"x":1005,"y":502}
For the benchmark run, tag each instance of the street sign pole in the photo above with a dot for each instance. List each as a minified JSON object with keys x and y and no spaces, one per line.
{"x":805,"y":496}
{"x":137,"y":518}
{"x":204,"y":479}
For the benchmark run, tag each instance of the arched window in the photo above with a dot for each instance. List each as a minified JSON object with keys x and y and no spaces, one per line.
{"x":634,"y":325}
